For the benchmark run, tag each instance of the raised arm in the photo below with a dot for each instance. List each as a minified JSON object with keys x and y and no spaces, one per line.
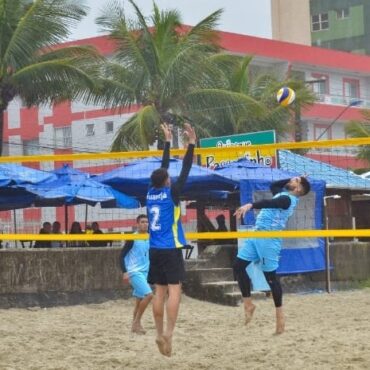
{"x":186,"y":163}
{"x":166,"y":151}
{"x":282,"y":201}
{"x":278,"y":186}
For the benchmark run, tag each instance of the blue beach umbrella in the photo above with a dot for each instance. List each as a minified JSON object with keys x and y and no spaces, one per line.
{"x":12,"y":178}
{"x":244,"y":169}
{"x":73,"y":187}
{"x":15,"y":174}
{"x":134,"y":178}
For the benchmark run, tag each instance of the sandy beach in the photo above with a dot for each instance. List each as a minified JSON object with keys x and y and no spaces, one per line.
{"x":324,"y":331}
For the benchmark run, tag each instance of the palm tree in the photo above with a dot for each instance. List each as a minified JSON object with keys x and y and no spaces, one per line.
{"x":168,"y":71}
{"x":358,"y":129}
{"x":32,"y":65}
{"x":261,"y":88}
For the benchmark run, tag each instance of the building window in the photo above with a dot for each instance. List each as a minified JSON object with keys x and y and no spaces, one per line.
{"x":343,"y":13}
{"x":320,"y":22}
{"x":90,"y":129}
{"x":63,"y":137}
{"x":31,"y":147}
{"x":109,"y":127}
{"x":351,"y":89}
{"x":321,"y":132}
{"x":320,"y":85}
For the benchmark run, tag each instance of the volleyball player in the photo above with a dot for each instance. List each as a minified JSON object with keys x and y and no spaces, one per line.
{"x":166,"y":238}
{"x":274,"y":215}
{"x":135,"y":267}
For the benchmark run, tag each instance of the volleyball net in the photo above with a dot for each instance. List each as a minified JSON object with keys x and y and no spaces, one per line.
{"x":110,"y":189}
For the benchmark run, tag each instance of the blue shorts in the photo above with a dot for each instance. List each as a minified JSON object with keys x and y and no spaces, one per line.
{"x":265,"y":251}
{"x":139,"y":283}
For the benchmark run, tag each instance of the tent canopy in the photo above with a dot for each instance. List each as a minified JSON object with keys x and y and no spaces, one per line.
{"x":334,"y":177}
{"x":15,"y":174}
{"x":72,"y":186}
{"x":134,"y":179}
{"x":243,"y":169}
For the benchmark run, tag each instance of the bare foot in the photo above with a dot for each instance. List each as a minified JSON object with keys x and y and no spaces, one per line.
{"x":162,"y":346}
{"x":168,"y":346}
{"x":248,"y":312}
{"x":280,"y":321}
{"x":138,"y":329}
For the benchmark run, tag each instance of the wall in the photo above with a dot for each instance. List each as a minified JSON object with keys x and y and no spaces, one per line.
{"x":291,"y":21}
{"x":59,"y":276}
{"x":70,"y":276}
{"x":351,"y":261}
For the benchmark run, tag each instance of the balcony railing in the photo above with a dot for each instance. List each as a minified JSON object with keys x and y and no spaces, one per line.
{"x":342,"y":100}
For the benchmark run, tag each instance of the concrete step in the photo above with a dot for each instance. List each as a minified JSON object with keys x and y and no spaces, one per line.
{"x":195,"y":263}
{"x":227,"y":286}
{"x":213,"y":274}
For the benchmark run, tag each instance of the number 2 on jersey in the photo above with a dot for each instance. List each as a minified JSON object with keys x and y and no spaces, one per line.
{"x":155,"y":212}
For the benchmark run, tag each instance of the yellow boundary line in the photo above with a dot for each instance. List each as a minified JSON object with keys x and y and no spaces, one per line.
{"x":154,"y":153}
{"x":344,"y":233}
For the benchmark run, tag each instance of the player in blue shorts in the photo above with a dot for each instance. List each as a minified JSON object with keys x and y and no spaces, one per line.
{"x":274,"y":215}
{"x":166,"y":239}
{"x":135,"y":266}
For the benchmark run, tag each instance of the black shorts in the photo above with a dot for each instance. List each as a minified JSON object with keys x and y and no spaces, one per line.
{"x":166,"y":266}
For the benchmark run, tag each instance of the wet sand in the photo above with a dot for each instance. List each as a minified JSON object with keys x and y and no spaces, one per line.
{"x":323,"y":331}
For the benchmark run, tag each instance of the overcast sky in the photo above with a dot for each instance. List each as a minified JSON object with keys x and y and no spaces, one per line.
{"x":249,"y":17}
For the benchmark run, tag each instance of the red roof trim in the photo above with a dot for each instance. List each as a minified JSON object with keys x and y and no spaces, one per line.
{"x":274,"y":49}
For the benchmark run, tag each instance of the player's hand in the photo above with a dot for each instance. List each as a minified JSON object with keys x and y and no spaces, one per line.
{"x":189,"y":133}
{"x":125,"y":278}
{"x":167,"y":131}
{"x":241,"y":211}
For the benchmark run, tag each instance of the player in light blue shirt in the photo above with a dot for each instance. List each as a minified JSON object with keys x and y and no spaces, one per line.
{"x":274,"y":215}
{"x":135,"y":267}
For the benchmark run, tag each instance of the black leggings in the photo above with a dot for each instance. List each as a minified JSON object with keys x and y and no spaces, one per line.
{"x":244,"y":282}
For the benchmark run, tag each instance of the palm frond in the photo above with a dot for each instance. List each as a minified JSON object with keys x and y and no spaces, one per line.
{"x":223,"y":102}
{"x":132,"y":47}
{"x":205,"y":30}
{"x":139,"y":131}
{"x":147,"y":38}
{"x":52,"y":80}
{"x":44,"y":24}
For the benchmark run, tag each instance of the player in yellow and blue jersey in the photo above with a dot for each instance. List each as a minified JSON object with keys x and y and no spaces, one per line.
{"x":274,"y":215}
{"x":166,"y":238}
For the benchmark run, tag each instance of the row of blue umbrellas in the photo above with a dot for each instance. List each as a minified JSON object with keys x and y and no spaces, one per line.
{"x":22,"y":187}
{"x":123,"y":187}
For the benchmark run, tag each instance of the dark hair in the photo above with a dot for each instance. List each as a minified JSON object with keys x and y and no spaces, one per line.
{"x":75,"y":228}
{"x":138,"y":218}
{"x":220,"y":218}
{"x":56,"y":226}
{"x":159,"y":177}
{"x":305,"y":185}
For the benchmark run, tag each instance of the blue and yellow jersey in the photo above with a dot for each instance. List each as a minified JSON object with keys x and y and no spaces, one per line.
{"x":165,"y":229}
